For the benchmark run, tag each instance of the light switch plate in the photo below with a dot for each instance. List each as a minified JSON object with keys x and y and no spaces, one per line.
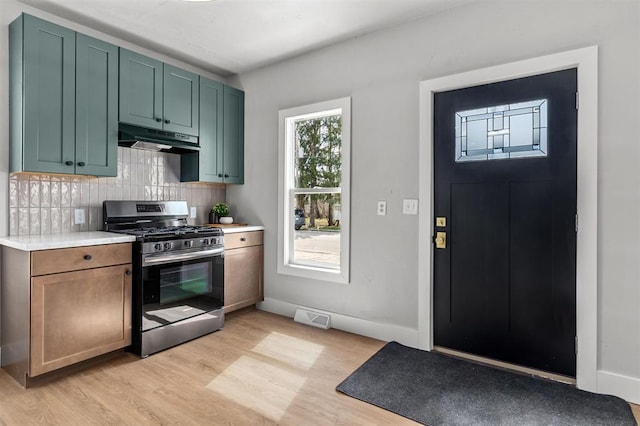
{"x":382,"y":208}
{"x":410,"y":206}
{"x":192,"y":213}
{"x":79,"y":217}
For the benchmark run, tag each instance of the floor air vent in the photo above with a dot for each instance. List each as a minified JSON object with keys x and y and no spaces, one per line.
{"x":315,"y":319}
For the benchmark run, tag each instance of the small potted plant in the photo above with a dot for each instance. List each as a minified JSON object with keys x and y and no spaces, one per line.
{"x":220,"y":212}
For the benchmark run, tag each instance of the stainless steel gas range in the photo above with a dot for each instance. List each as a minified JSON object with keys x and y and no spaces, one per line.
{"x":178,"y":282}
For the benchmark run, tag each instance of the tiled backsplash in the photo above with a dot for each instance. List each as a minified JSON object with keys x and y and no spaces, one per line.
{"x":45,"y":204}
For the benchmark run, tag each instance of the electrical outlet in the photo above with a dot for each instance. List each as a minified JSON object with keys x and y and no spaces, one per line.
{"x":382,"y":208}
{"x":409,"y":206}
{"x":78,"y":217}
{"x":193,"y":213}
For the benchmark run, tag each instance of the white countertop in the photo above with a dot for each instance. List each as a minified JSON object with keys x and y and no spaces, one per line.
{"x":64,"y":240}
{"x":248,"y":228}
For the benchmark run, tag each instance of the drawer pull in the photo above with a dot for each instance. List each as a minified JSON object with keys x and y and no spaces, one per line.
{"x":87,"y":257}
{"x":243,"y":239}
{"x":128,"y":272}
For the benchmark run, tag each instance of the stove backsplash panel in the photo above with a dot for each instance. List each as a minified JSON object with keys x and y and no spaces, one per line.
{"x":45,"y":204}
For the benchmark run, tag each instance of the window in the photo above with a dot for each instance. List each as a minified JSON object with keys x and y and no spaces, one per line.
{"x":504,"y":131}
{"x":314,"y":191}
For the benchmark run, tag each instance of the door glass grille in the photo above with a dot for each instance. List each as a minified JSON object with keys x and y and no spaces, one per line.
{"x":517,"y":130}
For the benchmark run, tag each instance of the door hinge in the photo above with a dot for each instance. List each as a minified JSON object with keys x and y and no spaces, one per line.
{"x":577,"y":100}
{"x":576,"y":222}
{"x":576,"y":345}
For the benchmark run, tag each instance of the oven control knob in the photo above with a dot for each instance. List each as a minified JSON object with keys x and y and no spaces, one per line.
{"x":167,"y":246}
{"x":205,"y":242}
{"x":188,"y":243}
{"x":157,"y":247}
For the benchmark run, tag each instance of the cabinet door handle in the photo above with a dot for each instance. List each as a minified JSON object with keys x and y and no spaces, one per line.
{"x":128,"y":272}
{"x":81,"y":164}
{"x":226,"y":175}
{"x":167,"y":121}
{"x":243,"y":239}
{"x":69,"y":163}
{"x":159,"y":120}
{"x":219,"y":174}
{"x":87,"y":257}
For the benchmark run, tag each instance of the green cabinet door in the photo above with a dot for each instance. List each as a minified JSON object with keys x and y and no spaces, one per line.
{"x":180,"y":101}
{"x":140,"y":90}
{"x":44,"y":138}
{"x":233,"y":135}
{"x":211,"y":113}
{"x":96,"y":107}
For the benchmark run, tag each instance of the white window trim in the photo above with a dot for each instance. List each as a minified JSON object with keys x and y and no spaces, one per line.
{"x":285,"y":204}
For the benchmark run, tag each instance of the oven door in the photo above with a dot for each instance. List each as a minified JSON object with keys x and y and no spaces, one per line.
{"x":177,"y":287}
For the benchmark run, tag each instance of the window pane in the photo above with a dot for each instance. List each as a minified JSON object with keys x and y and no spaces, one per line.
{"x":504,"y":131}
{"x":316,"y":239}
{"x":318,"y":152}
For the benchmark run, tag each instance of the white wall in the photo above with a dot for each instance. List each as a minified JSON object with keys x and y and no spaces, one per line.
{"x":381,"y":72}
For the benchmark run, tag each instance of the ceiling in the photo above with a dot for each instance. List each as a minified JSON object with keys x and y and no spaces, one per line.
{"x":234,"y":36}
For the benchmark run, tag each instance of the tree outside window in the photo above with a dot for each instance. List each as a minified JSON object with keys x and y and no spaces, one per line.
{"x":318,"y":165}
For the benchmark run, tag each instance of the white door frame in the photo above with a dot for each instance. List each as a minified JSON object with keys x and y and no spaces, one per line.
{"x":586,"y":61}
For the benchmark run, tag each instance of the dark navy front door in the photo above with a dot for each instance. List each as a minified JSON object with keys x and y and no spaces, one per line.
{"x":505,"y":184}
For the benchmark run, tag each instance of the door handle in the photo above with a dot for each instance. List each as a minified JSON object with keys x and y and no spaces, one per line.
{"x":441,"y":240}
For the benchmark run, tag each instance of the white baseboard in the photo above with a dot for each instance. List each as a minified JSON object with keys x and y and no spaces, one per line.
{"x":627,"y":388}
{"x":376,"y":330}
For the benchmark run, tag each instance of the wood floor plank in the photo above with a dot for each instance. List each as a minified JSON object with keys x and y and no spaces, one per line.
{"x":260,"y":369}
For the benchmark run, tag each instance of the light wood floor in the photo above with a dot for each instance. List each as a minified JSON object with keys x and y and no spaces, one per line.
{"x":259,"y":369}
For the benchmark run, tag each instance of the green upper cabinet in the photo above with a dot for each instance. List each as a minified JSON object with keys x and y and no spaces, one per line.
{"x":62,"y":100}
{"x":211,"y":148}
{"x":180,"y":100}
{"x":221,"y":156}
{"x":140,"y":90}
{"x":233,"y":135}
{"x":157,"y":95}
{"x":42,"y":82}
{"x":96,"y":107}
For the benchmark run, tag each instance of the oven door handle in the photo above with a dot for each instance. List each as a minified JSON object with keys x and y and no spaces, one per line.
{"x":157,"y":260}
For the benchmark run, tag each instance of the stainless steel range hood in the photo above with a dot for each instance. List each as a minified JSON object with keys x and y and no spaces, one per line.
{"x":156,"y":140}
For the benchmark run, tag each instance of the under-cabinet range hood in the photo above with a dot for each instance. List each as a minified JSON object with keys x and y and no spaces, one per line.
{"x":156,"y":140}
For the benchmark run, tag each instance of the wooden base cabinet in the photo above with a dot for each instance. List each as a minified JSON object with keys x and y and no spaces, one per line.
{"x":79,"y":315}
{"x":243,"y":269}
{"x":63,"y":306}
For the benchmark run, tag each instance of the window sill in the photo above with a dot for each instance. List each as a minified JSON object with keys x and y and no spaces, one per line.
{"x":314,"y":273}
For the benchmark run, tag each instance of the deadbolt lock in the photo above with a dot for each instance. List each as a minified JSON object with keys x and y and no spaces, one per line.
{"x":441,"y":222}
{"x":441,"y":240}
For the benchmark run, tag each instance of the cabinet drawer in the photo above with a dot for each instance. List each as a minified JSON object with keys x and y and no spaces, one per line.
{"x":78,"y":258}
{"x":242,"y":239}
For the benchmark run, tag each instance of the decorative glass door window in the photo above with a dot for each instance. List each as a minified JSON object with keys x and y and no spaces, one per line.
{"x":508,"y":131}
